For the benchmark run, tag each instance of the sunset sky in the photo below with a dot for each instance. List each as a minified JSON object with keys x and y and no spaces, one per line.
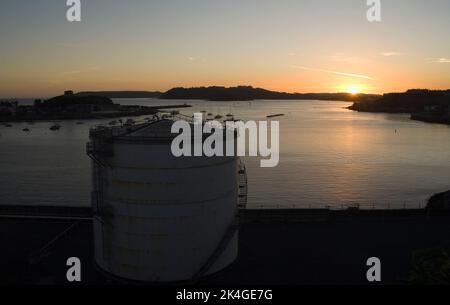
{"x":285,"y":45}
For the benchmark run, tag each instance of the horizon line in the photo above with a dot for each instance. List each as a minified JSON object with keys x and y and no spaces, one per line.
{"x":255,"y":87}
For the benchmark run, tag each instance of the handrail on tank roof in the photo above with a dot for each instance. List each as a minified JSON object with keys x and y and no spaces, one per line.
{"x":124,"y":130}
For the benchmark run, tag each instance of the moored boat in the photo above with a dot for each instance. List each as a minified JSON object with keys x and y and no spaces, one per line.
{"x":55,"y":127}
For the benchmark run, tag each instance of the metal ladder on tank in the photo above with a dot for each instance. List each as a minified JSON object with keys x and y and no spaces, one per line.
{"x":242,"y":185}
{"x":232,"y":228}
{"x":99,"y":149}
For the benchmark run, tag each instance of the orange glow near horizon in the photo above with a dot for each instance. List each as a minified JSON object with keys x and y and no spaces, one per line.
{"x":353,"y":89}
{"x":49,"y":83}
{"x":149,"y":47}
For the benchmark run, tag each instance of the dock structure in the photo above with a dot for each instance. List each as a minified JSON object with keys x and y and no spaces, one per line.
{"x":45,"y":212}
{"x":246,"y":214}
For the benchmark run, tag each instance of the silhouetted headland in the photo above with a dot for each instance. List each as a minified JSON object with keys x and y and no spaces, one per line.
{"x":73,"y":106}
{"x":440,"y":201}
{"x":423,"y":105}
{"x":121,"y":94}
{"x":249,"y":93}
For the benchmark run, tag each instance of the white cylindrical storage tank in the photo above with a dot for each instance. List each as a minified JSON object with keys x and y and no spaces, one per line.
{"x":161,"y":218}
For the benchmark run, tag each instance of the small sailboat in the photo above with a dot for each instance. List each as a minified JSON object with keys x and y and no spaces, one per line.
{"x":229,"y":118}
{"x":129,"y":122}
{"x":275,"y":115}
{"x":55,"y":127}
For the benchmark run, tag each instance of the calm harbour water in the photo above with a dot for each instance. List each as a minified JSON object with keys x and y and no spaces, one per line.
{"x":329,"y":156}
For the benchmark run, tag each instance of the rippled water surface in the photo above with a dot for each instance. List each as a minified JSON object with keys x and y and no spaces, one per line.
{"x":329,"y":157}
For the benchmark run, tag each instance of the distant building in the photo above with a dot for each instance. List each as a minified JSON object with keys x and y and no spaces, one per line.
{"x":37,"y":102}
{"x":437,"y":110}
{"x":431,"y":108}
{"x":106,"y":108}
{"x":68,"y":92}
{"x":90,"y":108}
{"x":80,"y":108}
{"x":8,"y":107}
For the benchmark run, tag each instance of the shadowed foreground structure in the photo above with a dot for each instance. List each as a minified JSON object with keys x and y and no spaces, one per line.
{"x":301,"y":247}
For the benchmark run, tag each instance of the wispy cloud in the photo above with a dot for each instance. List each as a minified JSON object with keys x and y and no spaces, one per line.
{"x":390,"y":54}
{"x":334,"y":72}
{"x":66,"y":73}
{"x":441,"y":60}
{"x":197,"y":59}
{"x":347,"y":59}
{"x":75,"y":72}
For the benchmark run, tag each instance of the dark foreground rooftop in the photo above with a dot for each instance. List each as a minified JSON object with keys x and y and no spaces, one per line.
{"x":294,"y":247}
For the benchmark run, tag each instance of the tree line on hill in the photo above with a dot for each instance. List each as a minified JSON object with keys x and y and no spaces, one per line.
{"x":218,"y":93}
{"x":411,"y":101}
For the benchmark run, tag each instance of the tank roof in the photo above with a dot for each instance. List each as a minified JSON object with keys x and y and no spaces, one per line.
{"x":158,"y":129}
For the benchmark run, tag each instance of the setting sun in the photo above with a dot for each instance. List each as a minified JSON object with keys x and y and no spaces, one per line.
{"x":353,"y":89}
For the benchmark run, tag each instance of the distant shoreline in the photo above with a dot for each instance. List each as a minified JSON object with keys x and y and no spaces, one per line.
{"x":143,"y":110}
{"x":423,"y":105}
{"x":439,"y":201}
{"x":76,"y":116}
{"x":218,"y":93}
{"x":420,"y":117}
{"x":249,"y":93}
